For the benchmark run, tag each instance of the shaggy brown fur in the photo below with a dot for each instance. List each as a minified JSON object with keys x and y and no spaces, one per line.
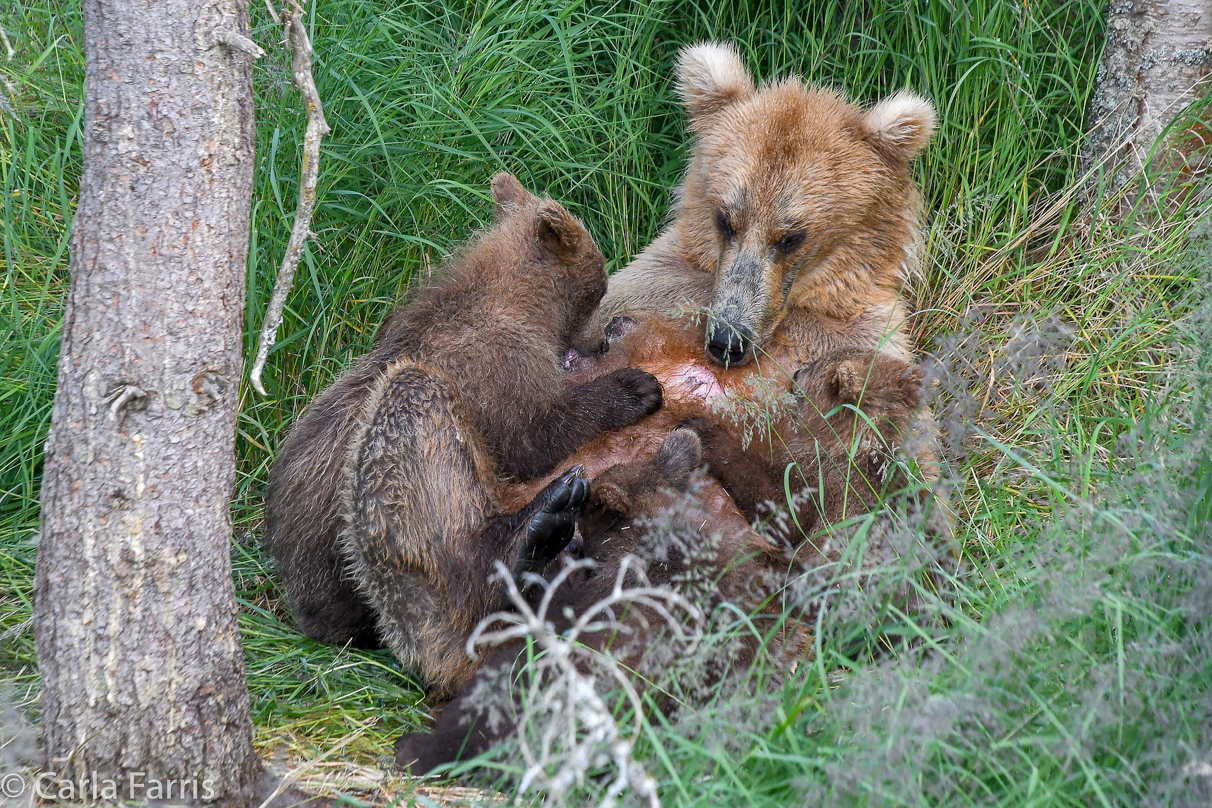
{"x":495,"y":332}
{"x":691,"y":538}
{"x":833,"y":453}
{"x":807,"y":417}
{"x":797,"y":220}
{"x":422,"y":530}
{"x":796,"y":228}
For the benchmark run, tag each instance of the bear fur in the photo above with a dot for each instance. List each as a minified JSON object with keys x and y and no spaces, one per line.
{"x":489,"y":344}
{"x":796,"y":226}
{"x":421,"y":530}
{"x":832,"y":454}
{"x":795,"y":232}
{"x":689,"y":536}
{"x":759,"y":418}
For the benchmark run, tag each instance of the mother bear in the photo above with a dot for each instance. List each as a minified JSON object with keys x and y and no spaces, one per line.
{"x":794,"y":234}
{"x":796,"y":226}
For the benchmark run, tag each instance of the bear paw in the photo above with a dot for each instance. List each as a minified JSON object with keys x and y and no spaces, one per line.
{"x":637,"y":394}
{"x":553,"y":523}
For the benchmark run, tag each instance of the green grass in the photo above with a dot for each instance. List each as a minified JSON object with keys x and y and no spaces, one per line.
{"x":426,"y":103}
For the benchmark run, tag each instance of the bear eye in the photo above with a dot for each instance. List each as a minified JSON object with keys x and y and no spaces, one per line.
{"x":724,"y":222}
{"x":790,"y":242}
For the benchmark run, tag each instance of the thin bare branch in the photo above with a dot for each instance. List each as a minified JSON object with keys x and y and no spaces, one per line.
{"x":237,"y":41}
{"x":317,"y":128}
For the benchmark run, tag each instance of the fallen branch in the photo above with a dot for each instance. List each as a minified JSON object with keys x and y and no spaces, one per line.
{"x":317,"y":128}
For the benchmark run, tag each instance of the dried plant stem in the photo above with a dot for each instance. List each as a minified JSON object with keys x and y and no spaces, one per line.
{"x":577,"y":729}
{"x":317,"y":128}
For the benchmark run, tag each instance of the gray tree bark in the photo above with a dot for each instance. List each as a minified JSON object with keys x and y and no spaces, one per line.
{"x":135,"y":613}
{"x":1155,"y":63}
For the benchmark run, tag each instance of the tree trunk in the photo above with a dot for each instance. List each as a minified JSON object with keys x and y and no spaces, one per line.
{"x":1156,"y":56}
{"x":135,"y":612}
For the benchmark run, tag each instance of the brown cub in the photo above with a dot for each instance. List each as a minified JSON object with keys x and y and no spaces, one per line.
{"x":797,"y":222}
{"x":809,"y":420}
{"x":482,"y":394}
{"x":691,"y":538}
{"x":832,"y":453}
{"x":487,"y":346}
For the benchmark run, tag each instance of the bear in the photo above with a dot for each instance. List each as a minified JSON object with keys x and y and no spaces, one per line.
{"x":837,"y":424}
{"x":833,"y":454}
{"x":797,"y":223}
{"x":492,"y":341}
{"x":795,"y":232}
{"x":692,"y":539}
{"x":421,"y":531}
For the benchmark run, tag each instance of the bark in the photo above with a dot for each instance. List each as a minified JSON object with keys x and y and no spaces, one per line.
{"x":1155,"y":63}
{"x":135,"y":613}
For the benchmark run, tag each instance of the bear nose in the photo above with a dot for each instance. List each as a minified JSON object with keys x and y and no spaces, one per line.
{"x":729,"y":344}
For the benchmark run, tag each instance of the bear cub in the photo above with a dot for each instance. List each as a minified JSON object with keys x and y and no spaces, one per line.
{"x":469,"y":382}
{"x":689,"y":536}
{"x":837,"y":421}
{"x":834,"y":450}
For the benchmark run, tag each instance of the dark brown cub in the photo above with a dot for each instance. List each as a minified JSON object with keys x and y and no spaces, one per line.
{"x":495,"y":331}
{"x":689,"y":536}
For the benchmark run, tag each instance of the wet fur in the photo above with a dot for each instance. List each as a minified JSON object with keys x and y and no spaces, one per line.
{"x":494,"y":332}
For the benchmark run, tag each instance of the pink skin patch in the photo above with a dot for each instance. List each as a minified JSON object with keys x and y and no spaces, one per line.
{"x":691,"y":382}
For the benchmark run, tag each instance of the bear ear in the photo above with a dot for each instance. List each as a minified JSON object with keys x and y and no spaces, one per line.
{"x":508,"y":193}
{"x":710,"y":76}
{"x":557,"y":231}
{"x":849,"y":379}
{"x":680,"y":456}
{"x":900,"y":126}
{"x":611,"y":497}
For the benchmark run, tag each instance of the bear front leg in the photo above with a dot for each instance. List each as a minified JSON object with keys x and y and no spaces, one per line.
{"x":532,"y":538}
{"x":583,"y":412}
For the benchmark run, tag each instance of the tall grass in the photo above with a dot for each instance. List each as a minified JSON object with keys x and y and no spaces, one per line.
{"x":428,"y":101}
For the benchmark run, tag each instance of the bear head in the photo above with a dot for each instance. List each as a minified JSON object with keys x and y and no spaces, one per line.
{"x":793,"y":197}
{"x":874,"y":394}
{"x":565,"y":275}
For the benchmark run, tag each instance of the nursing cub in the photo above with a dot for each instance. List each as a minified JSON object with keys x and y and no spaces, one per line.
{"x":465,"y":387}
{"x":689,"y":537}
{"x":825,"y":432}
